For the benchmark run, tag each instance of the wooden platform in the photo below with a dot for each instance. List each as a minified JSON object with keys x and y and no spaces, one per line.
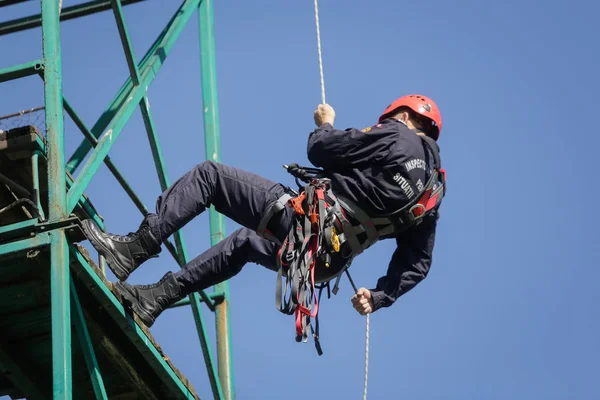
{"x":131,"y":363}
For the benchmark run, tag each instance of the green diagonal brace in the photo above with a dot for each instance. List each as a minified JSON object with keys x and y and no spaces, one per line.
{"x":113,"y":130}
{"x":86,"y":346}
{"x":129,"y":56}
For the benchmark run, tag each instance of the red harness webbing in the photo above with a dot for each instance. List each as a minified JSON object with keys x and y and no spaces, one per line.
{"x":297,"y":258}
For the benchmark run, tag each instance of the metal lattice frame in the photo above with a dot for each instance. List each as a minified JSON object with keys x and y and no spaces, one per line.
{"x":64,"y":195}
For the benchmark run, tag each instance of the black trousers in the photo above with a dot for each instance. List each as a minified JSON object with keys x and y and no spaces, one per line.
{"x":241,"y":196}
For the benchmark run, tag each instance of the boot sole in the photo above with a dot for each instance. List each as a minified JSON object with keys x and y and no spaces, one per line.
{"x":130,"y":301}
{"x":114,"y":265}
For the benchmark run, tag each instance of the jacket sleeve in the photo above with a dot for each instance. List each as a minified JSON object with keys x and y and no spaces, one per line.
{"x":409,"y":265}
{"x":331,"y":148}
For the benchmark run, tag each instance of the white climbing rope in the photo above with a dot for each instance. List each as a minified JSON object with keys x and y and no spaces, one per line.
{"x":366,"y":357}
{"x":319,"y":49}
{"x":323,"y":100}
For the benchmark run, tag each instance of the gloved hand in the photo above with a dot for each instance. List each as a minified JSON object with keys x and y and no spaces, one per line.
{"x":363,"y":302}
{"x":324,"y":114}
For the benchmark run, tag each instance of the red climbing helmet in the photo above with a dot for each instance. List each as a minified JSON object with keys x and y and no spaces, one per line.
{"x":422,"y":105}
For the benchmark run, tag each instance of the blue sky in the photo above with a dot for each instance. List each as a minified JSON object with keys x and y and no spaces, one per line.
{"x":509,"y":309}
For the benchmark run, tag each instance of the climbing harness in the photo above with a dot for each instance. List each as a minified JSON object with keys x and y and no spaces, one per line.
{"x":327,"y":227}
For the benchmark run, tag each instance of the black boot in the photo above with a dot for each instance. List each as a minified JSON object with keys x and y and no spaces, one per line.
{"x":123,"y":253}
{"x":148,"y":301}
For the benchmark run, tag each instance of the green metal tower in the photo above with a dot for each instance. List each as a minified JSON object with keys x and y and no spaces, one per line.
{"x":65,"y":333}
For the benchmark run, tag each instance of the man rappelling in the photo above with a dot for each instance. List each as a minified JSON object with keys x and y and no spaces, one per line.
{"x":382,"y":182}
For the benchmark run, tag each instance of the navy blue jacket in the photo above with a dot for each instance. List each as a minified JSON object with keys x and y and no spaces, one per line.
{"x":380,"y":168}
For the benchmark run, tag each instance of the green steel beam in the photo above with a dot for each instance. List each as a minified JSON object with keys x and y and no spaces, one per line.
{"x":42,"y":239}
{"x":127,"y":48}
{"x":120,"y":98}
{"x":59,"y":256}
{"x":124,"y":113}
{"x":86,"y":346}
{"x":159,"y":161}
{"x":19,"y":230}
{"x":217,"y":227}
{"x":54,"y":111}
{"x":134,"y":333}
{"x":33,"y":227}
{"x":17,"y":226}
{"x":21,"y":71}
{"x":76,"y":11}
{"x":18,"y":377}
{"x":61,"y":315}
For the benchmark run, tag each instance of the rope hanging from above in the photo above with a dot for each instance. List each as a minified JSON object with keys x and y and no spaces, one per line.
{"x":319,"y":51}
{"x":324,"y":102}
